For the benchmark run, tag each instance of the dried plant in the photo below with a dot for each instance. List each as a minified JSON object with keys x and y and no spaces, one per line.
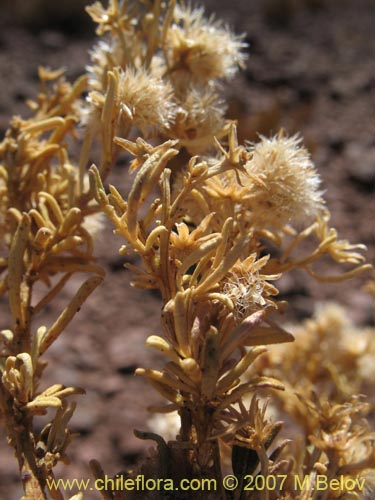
{"x":214,"y":224}
{"x":326,"y":372}
{"x":44,"y":243}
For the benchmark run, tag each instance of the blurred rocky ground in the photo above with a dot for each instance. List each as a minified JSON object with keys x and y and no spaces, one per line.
{"x":310,"y":70}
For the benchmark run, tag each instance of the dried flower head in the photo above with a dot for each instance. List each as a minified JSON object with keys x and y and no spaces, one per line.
{"x":290,"y":192}
{"x":329,"y":356}
{"x":201,"y":48}
{"x":199,"y":118}
{"x":247,"y":289}
{"x":142,"y":100}
{"x":104,"y":57}
{"x":145,"y":99}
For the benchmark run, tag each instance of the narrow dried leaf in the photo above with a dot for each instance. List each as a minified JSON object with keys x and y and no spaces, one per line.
{"x":16,"y":267}
{"x":44,"y":402}
{"x":145,"y":180}
{"x":218,"y":273}
{"x":210,"y":365}
{"x":67,"y":315}
{"x":204,"y":250}
{"x":166,"y":391}
{"x":44,"y":125}
{"x":263,"y":335}
{"x":235,"y":373}
{"x":163,"y":379}
{"x":234,"y":339}
{"x":181,"y":312}
{"x":162,"y":345}
{"x":72,"y":219}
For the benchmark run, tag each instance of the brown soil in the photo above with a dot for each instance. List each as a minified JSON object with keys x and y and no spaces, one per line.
{"x":310,"y":70}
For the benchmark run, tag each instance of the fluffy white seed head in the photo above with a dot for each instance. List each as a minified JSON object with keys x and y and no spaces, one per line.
{"x":291,"y":183}
{"x":202,"y":48}
{"x":147,"y":99}
{"x":199,"y":117}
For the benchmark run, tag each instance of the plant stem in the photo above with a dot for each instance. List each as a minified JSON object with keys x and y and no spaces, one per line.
{"x":20,"y":436}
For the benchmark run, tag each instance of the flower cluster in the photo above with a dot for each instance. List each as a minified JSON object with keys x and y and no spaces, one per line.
{"x":168,"y":63}
{"x":201,"y":226}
